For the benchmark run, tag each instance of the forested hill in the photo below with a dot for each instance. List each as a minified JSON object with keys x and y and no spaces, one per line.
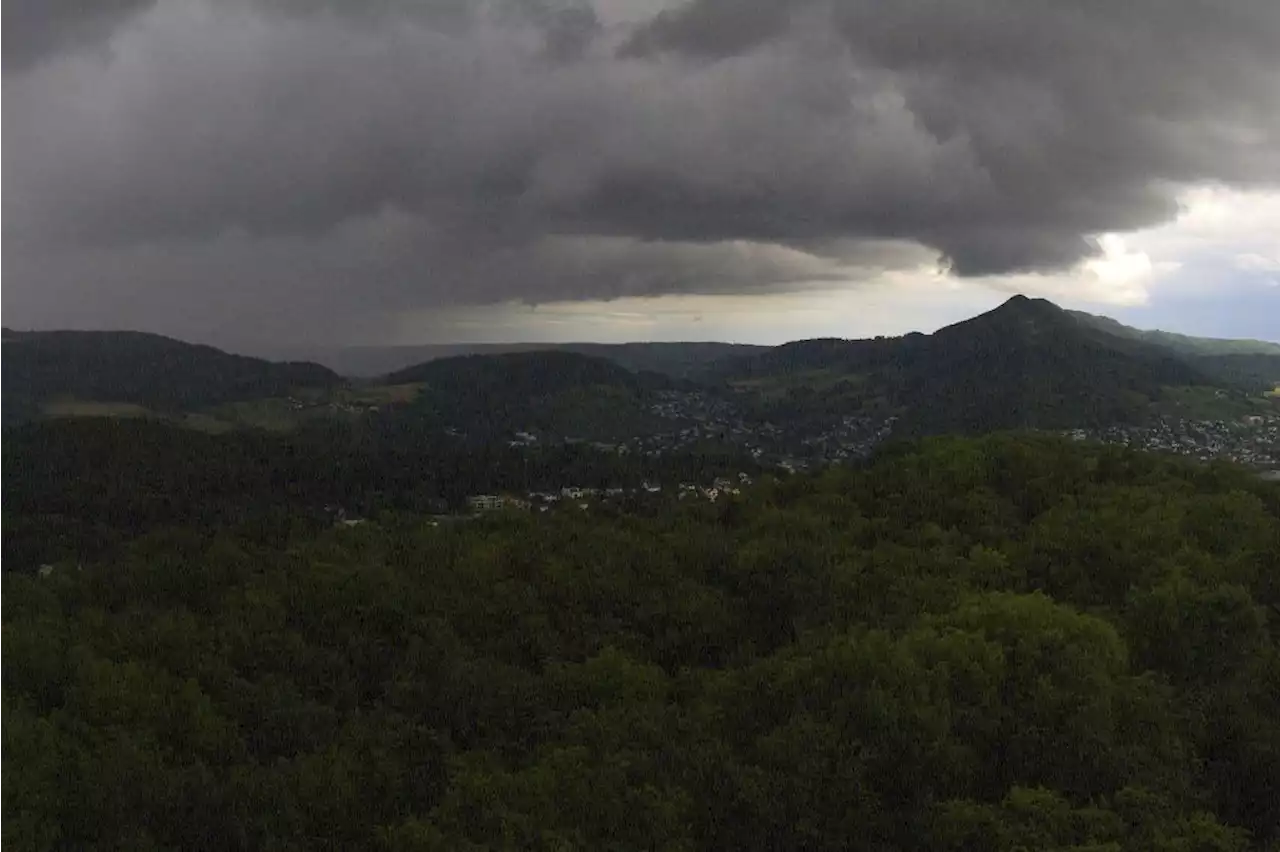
{"x":546,"y":391}
{"x":1026,"y":364}
{"x":76,"y":489}
{"x":1012,"y":643}
{"x":1183,"y":343}
{"x":144,"y":369}
{"x":1253,"y":364}
{"x":1258,"y":372}
{"x":518,"y":373}
{"x":1029,"y":363}
{"x":679,"y":360}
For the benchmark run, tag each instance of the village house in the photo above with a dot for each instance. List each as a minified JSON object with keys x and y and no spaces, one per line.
{"x":485,"y":502}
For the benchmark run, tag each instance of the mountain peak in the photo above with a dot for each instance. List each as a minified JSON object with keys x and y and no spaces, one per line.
{"x":1024,"y":305}
{"x":1018,"y":314}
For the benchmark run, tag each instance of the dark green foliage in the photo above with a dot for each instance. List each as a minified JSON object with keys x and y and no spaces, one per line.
{"x":1030,"y":364}
{"x":563,"y":393}
{"x":1260,"y":372}
{"x":145,"y":369}
{"x":1026,"y":364}
{"x":75,"y":489}
{"x":523,"y":374}
{"x":1181,"y":343}
{"x":1007,"y":643}
{"x":678,"y":360}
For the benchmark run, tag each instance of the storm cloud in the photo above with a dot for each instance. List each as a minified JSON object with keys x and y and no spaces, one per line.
{"x":35,"y":29}
{"x":286,"y":164}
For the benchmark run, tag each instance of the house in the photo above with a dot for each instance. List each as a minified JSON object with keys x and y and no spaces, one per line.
{"x":485,"y":502}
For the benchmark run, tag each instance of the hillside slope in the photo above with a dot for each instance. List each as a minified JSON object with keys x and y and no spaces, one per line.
{"x":1026,"y":364}
{"x":1257,"y":372}
{"x":1029,"y":363}
{"x":138,"y":368}
{"x":1182,"y":343}
{"x":554,"y":391}
{"x":679,"y":360}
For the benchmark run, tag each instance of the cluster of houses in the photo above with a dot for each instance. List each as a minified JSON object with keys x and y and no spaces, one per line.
{"x":332,"y":405}
{"x":543,"y":501}
{"x":1253,"y":441}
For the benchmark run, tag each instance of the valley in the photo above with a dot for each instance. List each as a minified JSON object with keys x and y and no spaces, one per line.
{"x":1025,"y":365}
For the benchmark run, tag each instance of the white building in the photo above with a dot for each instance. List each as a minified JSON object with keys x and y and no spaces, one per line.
{"x":485,"y":502}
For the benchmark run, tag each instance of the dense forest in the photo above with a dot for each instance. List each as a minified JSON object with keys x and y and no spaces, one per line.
{"x":80,"y":488}
{"x":1028,"y":364}
{"x":1005,"y":643}
{"x":143,"y":369}
{"x":547,"y":391}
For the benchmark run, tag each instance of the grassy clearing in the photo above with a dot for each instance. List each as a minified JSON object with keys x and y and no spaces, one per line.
{"x":382,"y":394}
{"x":207,"y":423}
{"x":85,"y":408}
{"x":277,"y":414}
{"x":273,"y":415}
{"x":1207,"y":403}
{"x":779,"y":385}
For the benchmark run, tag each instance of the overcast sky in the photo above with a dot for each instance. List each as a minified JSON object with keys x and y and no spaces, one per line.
{"x":269,"y":173}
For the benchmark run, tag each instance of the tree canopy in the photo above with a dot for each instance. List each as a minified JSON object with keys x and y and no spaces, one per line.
{"x":1002,"y":643}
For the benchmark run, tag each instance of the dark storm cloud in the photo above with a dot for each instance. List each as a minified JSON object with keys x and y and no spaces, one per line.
{"x":544,"y":150}
{"x":34,"y":29}
{"x":1083,"y":115}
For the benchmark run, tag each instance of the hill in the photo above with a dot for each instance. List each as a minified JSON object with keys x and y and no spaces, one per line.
{"x":1026,"y":364}
{"x":1258,"y":371}
{"x":139,"y":369}
{"x":1254,"y":364}
{"x":543,"y":391}
{"x":1029,"y":363}
{"x":1182,"y":343}
{"x":77,"y":488}
{"x":679,"y":360}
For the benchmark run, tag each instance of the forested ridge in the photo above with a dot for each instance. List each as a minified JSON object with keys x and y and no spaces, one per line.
{"x":1001,"y":643}
{"x":1027,"y":364}
{"x":144,"y":369}
{"x":77,"y":489}
{"x":547,"y":391}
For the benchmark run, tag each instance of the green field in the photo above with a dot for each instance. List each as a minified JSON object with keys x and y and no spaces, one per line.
{"x":276,"y":414}
{"x":282,"y":414}
{"x":1207,"y":403}
{"x":85,"y":408}
{"x":273,"y":415}
{"x":817,"y":379}
{"x":380,"y":394}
